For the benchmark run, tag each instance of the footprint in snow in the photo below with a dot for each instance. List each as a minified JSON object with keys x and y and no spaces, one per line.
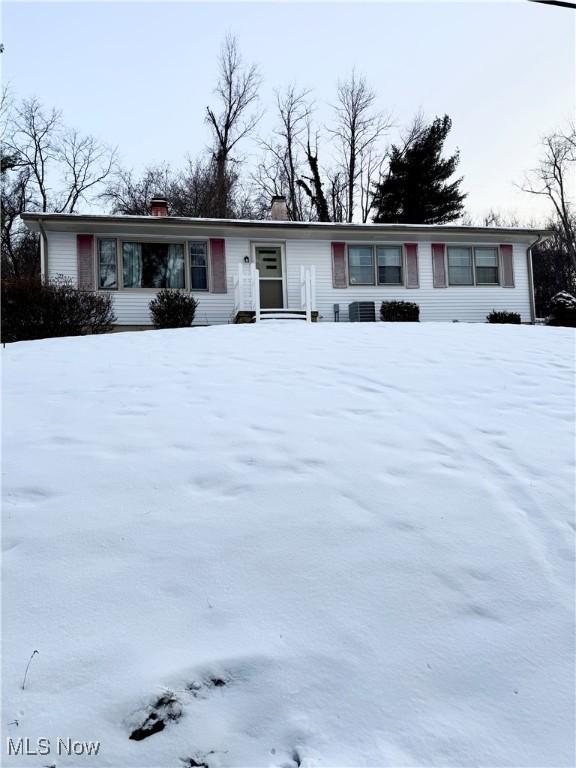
{"x":200,"y":690}
{"x":296,"y":761}
{"x":165,"y":709}
{"x":199,"y":760}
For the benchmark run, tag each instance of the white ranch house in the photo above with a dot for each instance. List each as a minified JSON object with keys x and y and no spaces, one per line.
{"x":240,"y":269}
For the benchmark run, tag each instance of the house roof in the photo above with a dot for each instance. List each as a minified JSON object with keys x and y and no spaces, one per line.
{"x":78,"y":222}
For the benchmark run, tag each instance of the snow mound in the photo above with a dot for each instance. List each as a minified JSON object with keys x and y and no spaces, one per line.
{"x":291,"y":545}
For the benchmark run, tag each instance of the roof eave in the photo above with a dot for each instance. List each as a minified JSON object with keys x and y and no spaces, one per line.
{"x":32,"y":220}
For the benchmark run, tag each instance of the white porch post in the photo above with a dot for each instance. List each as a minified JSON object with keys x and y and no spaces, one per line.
{"x":308,"y":287}
{"x":239,"y":298}
{"x":313,"y":286}
{"x":255,"y":289}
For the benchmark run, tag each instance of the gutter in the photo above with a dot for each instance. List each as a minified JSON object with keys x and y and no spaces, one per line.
{"x":77,"y":223}
{"x":531,"y":278}
{"x":43,"y":250}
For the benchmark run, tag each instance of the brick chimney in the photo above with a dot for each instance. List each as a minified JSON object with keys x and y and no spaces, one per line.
{"x":158,"y":207}
{"x":279,"y":208}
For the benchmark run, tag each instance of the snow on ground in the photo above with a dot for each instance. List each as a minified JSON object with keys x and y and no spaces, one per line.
{"x":336,"y":545}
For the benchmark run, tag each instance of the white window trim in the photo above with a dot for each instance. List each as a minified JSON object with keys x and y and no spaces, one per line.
{"x":474,"y":283}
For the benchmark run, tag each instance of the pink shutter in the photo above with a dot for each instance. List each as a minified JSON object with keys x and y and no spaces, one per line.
{"x":507,"y":266}
{"x":438,"y":265}
{"x":85,"y":257}
{"x":218,"y":266}
{"x":411,"y":265}
{"x":339,"y":265}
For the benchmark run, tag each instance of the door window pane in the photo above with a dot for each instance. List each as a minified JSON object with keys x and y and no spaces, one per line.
{"x":486,"y":266}
{"x":153,"y":265}
{"x":389,"y":264}
{"x":269,"y":262}
{"x":107,"y":265}
{"x":460,"y":266}
{"x":271,"y":294}
{"x":361,"y":265}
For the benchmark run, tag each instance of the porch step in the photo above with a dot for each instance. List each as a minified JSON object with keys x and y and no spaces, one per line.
{"x":244,"y":316}
{"x":248,"y":316}
{"x":282,"y":315}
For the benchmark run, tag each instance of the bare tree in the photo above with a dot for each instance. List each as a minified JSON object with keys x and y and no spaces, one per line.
{"x":554,"y":178}
{"x":63,"y":165}
{"x":554,"y":271}
{"x":19,"y":251}
{"x":358,"y":127}
{"x":279,"y":170}
{"x":269,"y":180}
{"x":44,"y":167}
{"x":190,"y":191}
{"x":371,"y":169}
{"x":234,"y":120}
{"x":312,"y":185}
{"x":337,"y":194}
{"x":86,"y":163}
{"x":33,"y":141}
{"x":496,"y":218}
{"x":129,"y":194}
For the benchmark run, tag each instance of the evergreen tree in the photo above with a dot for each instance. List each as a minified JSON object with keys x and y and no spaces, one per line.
{"x":416,"y":188}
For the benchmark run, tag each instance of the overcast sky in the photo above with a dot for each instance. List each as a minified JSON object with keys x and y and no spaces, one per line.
{"x":139,"y":75}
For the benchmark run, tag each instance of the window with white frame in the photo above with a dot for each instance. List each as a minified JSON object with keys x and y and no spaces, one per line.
{"x":361,"y":264}
{"x":460,"y":266}
{"x":107,"y":265}
{"x":486,"y":265}
{"x":473,"y":266}
{"x":389,"y":259}
{"x":198,"y":265}
{"x":152,"y":265}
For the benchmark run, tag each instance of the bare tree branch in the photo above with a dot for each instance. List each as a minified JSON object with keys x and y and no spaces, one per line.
{"x":86,"y":163}
{"x":555,"y":179}
{"x":237,"y":92}
{"x":358,"y":128}
{"x":281,"y":166}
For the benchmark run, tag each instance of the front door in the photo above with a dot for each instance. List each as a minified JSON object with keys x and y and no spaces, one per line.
{"x":269,"y":265}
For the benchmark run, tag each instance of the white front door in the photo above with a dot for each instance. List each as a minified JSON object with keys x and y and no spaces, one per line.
{"x":269,"y":263}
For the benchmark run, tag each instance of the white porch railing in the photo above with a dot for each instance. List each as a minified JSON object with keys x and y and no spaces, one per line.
{"x":247,"y":290}
{"x":246,"y":287}
{"x":308,"y":290}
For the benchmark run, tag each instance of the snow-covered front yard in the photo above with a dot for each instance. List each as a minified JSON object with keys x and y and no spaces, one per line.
{"x":335,"y":545}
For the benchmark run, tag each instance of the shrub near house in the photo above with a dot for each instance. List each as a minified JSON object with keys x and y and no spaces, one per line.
{"x":507,"y":318}
{"x":173,"y":309}
{"x":563,"y":310}
{"x":400,"y":312}
{"x":36,"y":309}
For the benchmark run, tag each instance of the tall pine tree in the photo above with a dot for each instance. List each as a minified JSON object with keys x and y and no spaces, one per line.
{"x":416,"y":189}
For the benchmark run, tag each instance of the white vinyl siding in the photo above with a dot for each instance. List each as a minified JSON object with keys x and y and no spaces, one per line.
{"x":62,"y":256}
{"x":463,"y":303}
